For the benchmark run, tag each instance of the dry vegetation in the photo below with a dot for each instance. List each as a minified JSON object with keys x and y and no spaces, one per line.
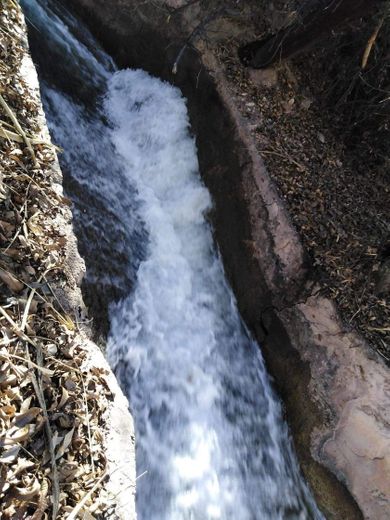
{"x":51,"y":456}
{"x":321,"y":124}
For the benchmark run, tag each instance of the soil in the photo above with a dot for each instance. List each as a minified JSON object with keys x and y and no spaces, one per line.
{"x":323,"y":136}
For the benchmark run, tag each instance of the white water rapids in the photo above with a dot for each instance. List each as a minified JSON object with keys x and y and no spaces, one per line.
{"x":211,"y":441}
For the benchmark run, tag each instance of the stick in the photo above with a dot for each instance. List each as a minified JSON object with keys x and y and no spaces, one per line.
{"x":16,"y":328}
{"x":88,"y":422}
{"x":73,"y":514}
{"x":371,"y":42}
{"x":45,"y":371}
{"x":195,"y":33}
{"x":12,"y":136}
{"x":29,"y":300}
{"x":18,"y":128}
{"x":41,"y":399}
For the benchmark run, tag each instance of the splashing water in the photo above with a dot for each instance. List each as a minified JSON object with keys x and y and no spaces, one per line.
{"x":211,"y":441}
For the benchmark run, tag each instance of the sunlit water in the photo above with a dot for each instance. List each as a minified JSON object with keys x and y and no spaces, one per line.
{"x":211,"y":441}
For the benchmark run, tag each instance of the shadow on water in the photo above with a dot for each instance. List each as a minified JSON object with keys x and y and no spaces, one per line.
{"x":73,"y":72}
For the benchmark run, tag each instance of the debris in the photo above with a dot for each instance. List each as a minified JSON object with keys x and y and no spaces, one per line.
{"x":51,"y":409}
{"x":371,"y":43}
{"x":328,"y":158}
{"x":19,"y":129}
{"x":10,"y":281}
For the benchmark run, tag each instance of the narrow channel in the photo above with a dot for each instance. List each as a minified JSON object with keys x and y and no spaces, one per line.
{"x":211,"y":440}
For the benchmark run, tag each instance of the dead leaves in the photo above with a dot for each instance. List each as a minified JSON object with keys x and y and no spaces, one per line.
{"x":73,"y":405}
{"x":336,"y":196}
{"x":52,"y":462}
{"x":11,"y":281}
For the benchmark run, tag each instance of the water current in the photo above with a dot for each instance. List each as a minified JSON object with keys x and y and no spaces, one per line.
{"x":211,"y":442}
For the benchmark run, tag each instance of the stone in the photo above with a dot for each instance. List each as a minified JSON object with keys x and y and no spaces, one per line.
{"x":264,"y":77}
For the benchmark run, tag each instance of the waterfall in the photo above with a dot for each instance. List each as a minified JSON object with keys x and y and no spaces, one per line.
{"x":211,"y":442}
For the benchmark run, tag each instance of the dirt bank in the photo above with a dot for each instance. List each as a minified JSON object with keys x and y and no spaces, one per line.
{"x":334,"y":385}
{"x":66,"y":436}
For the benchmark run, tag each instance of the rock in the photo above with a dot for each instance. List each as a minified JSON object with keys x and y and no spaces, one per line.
{"x":264,"y":77}
{"x":321,"y":138}
{"x":306,"y":103}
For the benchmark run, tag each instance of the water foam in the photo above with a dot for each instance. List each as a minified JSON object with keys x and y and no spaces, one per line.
{"x":210,"y":435}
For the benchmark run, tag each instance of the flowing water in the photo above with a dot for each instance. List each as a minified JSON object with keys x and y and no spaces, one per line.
{"x":211,"y":441}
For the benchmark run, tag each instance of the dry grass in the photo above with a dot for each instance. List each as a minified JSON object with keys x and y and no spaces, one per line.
{"x":52,"y":462}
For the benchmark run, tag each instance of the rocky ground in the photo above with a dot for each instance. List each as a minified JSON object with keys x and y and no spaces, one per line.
{"x":320,"y":124}
{"x":53,"y":399}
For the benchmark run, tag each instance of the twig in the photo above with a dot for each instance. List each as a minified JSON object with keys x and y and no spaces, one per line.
{"x":18,"y":128}
{"x":53,"y":293}
{"x":379,"y":329}
{"x":44,"y":370}
{"x":16,"y":328}
{"x":28,"y":303}
{"x":285,"y":156}
{"x":196,"y":32}
{"x":371,"y":42}
{"x":65,"y":320}
{"x":69,"y":367}
{"x":73,"y":514}
{"x":14,"y":4}
{"x":43,"y":190}
{"x":184,"y":6}
{"x":41,"y":399}
{"x":12,"y":136}
{"x":24,"y":220}
{"x":88,"y":423}
{"x":142,"y":474}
